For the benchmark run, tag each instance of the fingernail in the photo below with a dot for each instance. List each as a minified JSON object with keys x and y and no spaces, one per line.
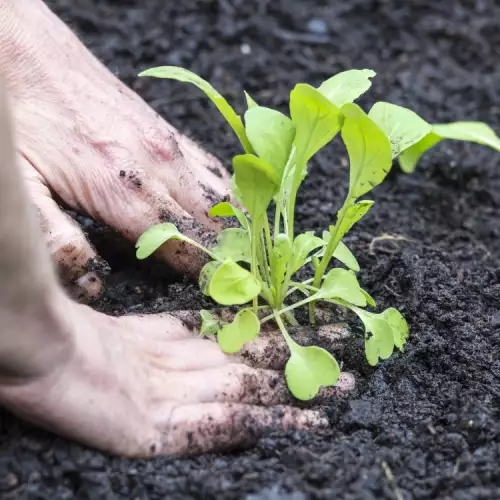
{"x":88,"y":287}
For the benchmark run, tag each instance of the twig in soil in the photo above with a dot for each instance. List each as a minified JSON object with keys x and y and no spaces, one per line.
{"x":385,"y":237}
{"x":392,"y":481}
{"x":391,"y":291}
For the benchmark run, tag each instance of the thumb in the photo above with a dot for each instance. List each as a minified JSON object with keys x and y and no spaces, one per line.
{"x":80,"y":269}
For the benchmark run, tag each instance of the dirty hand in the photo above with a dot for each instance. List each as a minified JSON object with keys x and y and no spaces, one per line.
{"x":85,"y":139}
{"x":135,"y":386}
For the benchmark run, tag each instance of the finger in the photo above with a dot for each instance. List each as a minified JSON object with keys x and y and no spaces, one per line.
{"x":270,"y":350}
{"x":201,"y":183}
{"x":196,"y":356}
{"x":23,"y":261}
{"x":195,"y":429}
{"x":232,"y":382}
{"x":157,"y":209}
{"x":159,"y":327}
{"x":81,"y":270}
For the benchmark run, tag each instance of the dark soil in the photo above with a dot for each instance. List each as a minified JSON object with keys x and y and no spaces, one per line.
{"x":423,"y":425}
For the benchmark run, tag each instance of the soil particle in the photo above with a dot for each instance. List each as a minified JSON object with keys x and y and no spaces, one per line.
{"x":215,"y":170}
{"x":431,"y":415}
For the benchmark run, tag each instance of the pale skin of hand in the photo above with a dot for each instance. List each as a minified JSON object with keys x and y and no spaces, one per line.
{"x":135,"y":386}
{"x":101,"y":149}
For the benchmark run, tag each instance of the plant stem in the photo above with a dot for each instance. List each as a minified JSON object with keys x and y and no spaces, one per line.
{"x":289,"y":341}
{"x":280,"y":201}
{"x":335,"y":238}
{"x":254,"y":267}
{"x":203,"y":249}
{"x":264,"y":262}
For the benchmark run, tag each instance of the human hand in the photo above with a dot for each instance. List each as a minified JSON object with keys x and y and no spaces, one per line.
{"x":86,"y":140}
{"x":135,"y":386}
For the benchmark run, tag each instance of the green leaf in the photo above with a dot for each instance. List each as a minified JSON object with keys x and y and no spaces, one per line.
{"x":353,"y":214}
{"x":233,"y":285}
{"x":347,"y":86}
{"x":225,"y":209}
{"x":309,"y":369}
{"x":244,"y":328}
{"x":398,"y":325}
{"x":209,"y":324}
{"x":380,"y":345}
{"x":316,"y":121}
{"x":281,"y":254}
{"x":271,"y":134}
{"x":342,"y":284}
{"x":206,"y":275}
{"x":388,"y":329}
{"x":408,"y":159}
{"x":237,"y":196}
{"x":402,"y":126}
{"x":303,"y":245}
{"x":369,"y":151}
{"x":342,"y":253}
{"x":369,"y":299}
{"x":257,"y":183}
{"x":184,"y":75}
{"x":477,"y":132}
{"x":156,"y":236}
{"x":234,"y":243}
{"x":250,"y":102}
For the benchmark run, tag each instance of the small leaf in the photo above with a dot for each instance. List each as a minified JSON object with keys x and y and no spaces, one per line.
{"x":342,"y":284}
{"x":237,"y":196}
{"x":309,"y":369}
{"x":209,"y":324}
{"x":369,"y":151}
{"x":281,"y":254}
{"x":347,"y":86}
{"x":369,"y":299}
{"x":250,"y":102}
{"x":398,"y":325}
{"x":156,"y":236}
{"x":271,"y":134}
{"x":315,"y":262}
{"x":222,"y":209}
{"x":206,"y":275}
{"x":233,"y":285}
{"x":353,"y":214}
{"x":388,"y":329}
{"x":477,"y":132}
{"x":342,"y":253}
{"x":402,"y":126}
{"x":257,"y":183}
{"x":316,"y":120}
{"x":408,"y":159}
{"x":225,"y":209}
{"x":303,"y":245}
{"x":234,"y":243}
{"x":184,"y":75}
{"x":380,"y":345}
{"x":244,"y":328}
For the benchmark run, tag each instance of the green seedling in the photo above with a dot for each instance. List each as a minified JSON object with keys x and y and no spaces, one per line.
{"x":255,"y":266}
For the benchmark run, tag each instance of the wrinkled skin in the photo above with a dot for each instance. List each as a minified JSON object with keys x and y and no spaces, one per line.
{"x":85,"y":137}
{"x":128,"y":385}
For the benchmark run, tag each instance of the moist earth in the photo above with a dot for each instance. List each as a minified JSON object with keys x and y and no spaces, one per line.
{"x":424,"y":424}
